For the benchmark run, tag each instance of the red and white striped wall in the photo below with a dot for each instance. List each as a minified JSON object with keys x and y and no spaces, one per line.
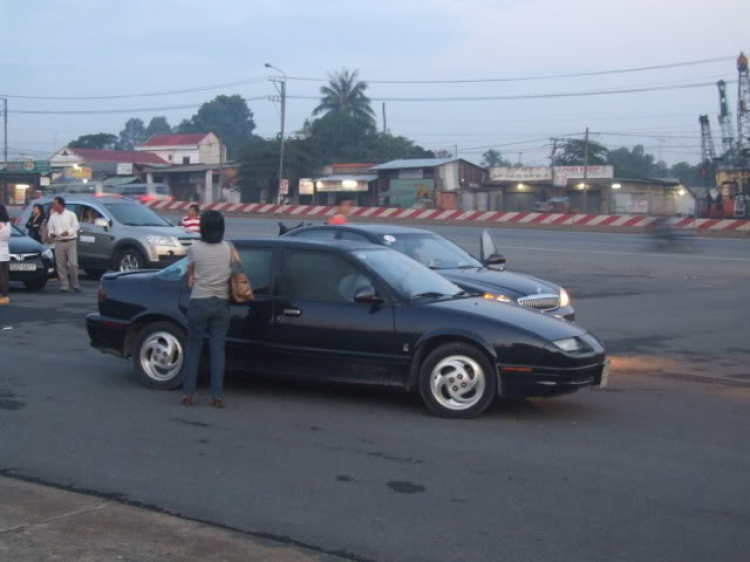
{"x":383,"y":213}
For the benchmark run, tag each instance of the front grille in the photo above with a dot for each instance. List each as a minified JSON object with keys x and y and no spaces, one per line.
{"x":23,"y":257}
{"x":540,"y":302}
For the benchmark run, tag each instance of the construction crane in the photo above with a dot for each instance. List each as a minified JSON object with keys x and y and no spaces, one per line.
{"x":725,"y":123}
{"x":708,"y":150}
{"x":743,"y":106}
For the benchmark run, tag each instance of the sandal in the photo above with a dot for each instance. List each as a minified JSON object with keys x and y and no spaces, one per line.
{"x":217,"y":402}
{"x":187,"y":400}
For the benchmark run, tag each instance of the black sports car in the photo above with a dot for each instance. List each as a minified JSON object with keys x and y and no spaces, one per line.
{"x":353,"y":312}
{"x":31,"y":263}
{"x":486,"y":275}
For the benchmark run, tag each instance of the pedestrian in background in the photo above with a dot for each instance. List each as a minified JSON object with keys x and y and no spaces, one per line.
{"x":342,"y":213}
{"x":5,"y":232}
{"x":35,"y":222}
{"x":62,"y":228}
{"x":192,"y":222}
{"x":209,"y":270}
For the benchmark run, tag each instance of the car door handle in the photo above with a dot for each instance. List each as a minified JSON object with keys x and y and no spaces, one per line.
{"x":291,"y":312}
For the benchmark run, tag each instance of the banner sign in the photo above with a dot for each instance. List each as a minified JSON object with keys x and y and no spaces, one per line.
{"x":25,"y":167}
{"x":78,"y":173}
{"x":539,"y":173}
{"x":564,"y":173}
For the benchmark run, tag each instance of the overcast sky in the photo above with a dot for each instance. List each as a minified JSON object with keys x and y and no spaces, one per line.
{"x":103,"y":47}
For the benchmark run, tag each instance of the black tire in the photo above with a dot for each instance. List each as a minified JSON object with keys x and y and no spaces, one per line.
{"x":129,"y":259}
{"x":160,"y":337}
{"x":461,"y":360}
{"x":95,"y":274}
{"x":35,"y":284}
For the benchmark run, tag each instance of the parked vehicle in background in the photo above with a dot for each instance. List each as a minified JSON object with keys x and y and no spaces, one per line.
{"x":31,"y":263}
{"x":486,"y":275}
{"x":358,"y":313}
{"x":120,"y":234}
{"x":95,"y":189}
{"x":145,"y":192}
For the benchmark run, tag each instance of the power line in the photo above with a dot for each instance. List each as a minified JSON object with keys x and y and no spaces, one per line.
{"x":146,"y":95}
{"x":529,"y":78}
{"x":124,"y":110}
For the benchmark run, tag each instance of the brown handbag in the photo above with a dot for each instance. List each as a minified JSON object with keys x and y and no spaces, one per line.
{"x":239,"y":284}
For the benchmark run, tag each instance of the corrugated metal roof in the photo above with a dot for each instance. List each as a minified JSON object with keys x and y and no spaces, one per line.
{"x":406,"y":163}
{"x":175,"y":140}
{"x":344,"y":177}
{"x":120,"y":180}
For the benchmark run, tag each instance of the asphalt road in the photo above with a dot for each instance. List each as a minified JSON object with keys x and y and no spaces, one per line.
{"x":653,"y":468}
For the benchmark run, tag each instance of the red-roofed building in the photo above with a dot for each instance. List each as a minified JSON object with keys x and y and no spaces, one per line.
{"x":179,"y":150}
{"x":67,"y":156}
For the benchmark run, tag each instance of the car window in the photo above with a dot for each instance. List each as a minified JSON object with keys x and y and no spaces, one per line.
{"x":353,"y":237}
{"x":89,"y":214}
{"x":257,"y":265}
{"x":321,"y":276}
{"x":135,"y":214}
{"x":433,"y":251}
{"x":317,"y":234}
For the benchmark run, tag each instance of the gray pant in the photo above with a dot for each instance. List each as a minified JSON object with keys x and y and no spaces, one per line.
{"x":66,"y":257}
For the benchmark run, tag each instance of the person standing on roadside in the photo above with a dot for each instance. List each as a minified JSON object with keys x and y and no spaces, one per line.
{"x":5,"y":232}
{"x":35,"y":222}
{"x":62,"y":228}
{"x":209,"y":270}
{"x":342,"y":213}
{"x":192,"y":222}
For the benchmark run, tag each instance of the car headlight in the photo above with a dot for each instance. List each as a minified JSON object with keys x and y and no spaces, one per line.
{"x":49,"y":254}
{"x":161,"y":240}
{"x":572,"y":345}
{"x":499,"y":298}
{"x":564,"y":298}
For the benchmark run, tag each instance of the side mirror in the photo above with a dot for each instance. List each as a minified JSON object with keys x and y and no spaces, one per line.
{"x":368,"y":295}
{"x":487,"y":246}
{"x":495,"y":259}
{"x":102,"y":223}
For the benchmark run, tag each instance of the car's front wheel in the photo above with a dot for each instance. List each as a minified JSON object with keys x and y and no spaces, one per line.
{"x":158,"y":355}
{"x":129,"y":259}
{"x":456,"y":380}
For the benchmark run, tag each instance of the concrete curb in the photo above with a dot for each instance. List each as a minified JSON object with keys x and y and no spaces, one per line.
{"x":40,"y":522}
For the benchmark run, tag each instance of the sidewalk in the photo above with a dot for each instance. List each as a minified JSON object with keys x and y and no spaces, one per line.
{"x":40,"y":523}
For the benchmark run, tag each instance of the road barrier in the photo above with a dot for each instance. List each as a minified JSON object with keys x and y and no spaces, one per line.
{"x":433,"y":215}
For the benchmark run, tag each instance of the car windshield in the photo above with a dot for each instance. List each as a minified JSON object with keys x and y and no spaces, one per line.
{"x":135,"y":214}
{"x":433,"y":251}
{"x":407,"y":277}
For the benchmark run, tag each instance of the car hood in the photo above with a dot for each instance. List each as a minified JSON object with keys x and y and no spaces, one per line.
{"x":25,"y":245}
{"x":494,"y":281}
{"x":541,"y":325}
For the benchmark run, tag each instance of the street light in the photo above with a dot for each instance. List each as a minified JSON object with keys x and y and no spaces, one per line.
{"x":282,"y":91}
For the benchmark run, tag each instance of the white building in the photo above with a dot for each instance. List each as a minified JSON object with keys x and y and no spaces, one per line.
{"x":178,"y":150}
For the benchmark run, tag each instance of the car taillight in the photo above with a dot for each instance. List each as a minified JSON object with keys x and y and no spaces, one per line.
{"x":102,"y":295}
{"x":146,"y":198}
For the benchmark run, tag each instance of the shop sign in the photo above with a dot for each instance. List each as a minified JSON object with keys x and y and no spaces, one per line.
{"x":124,"y":168}
{"x":78,"y":173}
{"x":523,"y":174}
{"x":411,"y":174}
{"x":306,"y":186}
{"x":25,"y":167}
{"x":631,"y":203}
{"x":284,"y":187}
{"x":564,"y":173}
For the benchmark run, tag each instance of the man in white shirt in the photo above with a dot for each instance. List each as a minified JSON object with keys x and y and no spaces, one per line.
{"x":62,"y":228}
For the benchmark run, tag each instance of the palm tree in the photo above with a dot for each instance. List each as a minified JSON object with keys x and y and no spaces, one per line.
{"x":345,"y":95}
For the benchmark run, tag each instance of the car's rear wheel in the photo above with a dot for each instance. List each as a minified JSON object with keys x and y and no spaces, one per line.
{"x":35,"y":284}
{"x":457,"y":380}
{"x":129,"y":259}
{"x":158,"y":355}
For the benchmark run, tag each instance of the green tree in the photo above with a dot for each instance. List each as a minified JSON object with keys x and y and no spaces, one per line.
{"x":134,"y":134}
{"x":158,"y":126}
{"x":572,"y":153}
{"x":689,"y":174}
{"x":101,"y":141}
{"x":228,"y":117}
{"x":636,"y":163}
{"x":382,"y":147}
{"x":494,"y":159}
{"x":345,"y":95}
{"x":443,"y":153}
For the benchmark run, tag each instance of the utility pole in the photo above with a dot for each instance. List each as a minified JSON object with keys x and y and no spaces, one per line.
{"x":385,"y":121}
{"x":5,"y":130}
{"x":282,"y":91}
{"x":456,"y":152}
{"x":585,"y":169}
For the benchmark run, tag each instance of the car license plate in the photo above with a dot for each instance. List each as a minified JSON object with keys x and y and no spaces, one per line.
{"x":23,"y":266}
{"x":605,"y":375}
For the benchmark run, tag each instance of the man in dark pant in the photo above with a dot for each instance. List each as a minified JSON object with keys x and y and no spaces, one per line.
{"x":4,"y":282}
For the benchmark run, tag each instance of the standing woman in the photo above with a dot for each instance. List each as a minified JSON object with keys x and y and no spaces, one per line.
{"x":5,"y":231}
{"x":209,"y":270}
{"x":34,"y":224}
